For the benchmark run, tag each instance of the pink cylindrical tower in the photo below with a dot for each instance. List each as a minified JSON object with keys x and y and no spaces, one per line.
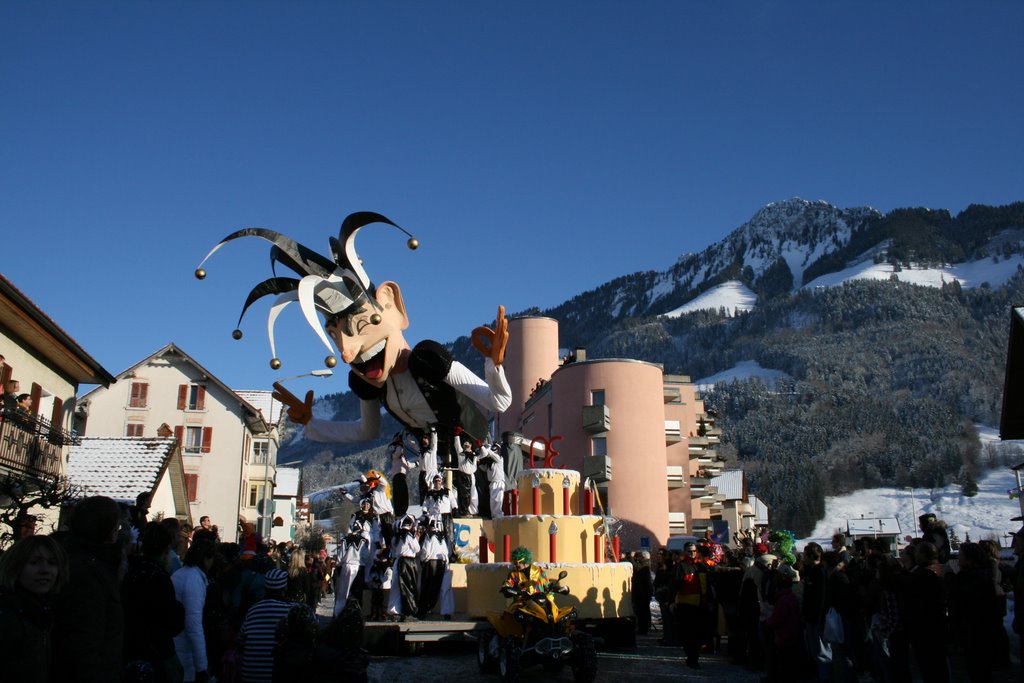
{"x":530,"y":356}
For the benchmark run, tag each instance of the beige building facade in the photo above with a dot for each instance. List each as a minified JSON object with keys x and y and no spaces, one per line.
{"x":228,"y":445}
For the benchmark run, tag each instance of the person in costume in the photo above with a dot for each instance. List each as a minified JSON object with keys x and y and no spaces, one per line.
{"x":428,"y":462}
{"x":406,"y":582}
{"x":375,"y":487}
{"x":400,"y":466}
{"x":493,"y":468}
{"x":433,"y":565}
{"x":421,"y":387}
{"x":464,"y":477}
{"x":525,"y":577}
{"x":351,"y":552}
{"x":437,"y":504}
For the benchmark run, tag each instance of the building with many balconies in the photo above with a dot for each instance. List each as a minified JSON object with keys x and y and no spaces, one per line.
{"x":642,"y":436}
{"x":48,"y":365}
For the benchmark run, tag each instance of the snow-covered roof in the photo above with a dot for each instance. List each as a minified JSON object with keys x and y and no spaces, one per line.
{"x":729,"y":483}
{"x":119,"y":467}
{"x":264,"y":402}
{"x":881,"y":526}
{"x":286,"y":484}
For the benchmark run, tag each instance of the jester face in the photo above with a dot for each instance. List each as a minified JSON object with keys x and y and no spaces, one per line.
{"x":372,"y":348}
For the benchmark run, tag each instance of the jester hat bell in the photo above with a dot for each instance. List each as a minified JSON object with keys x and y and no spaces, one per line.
{"x":330,"y":286}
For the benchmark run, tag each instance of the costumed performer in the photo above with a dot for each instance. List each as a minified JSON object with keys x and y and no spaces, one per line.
{"x":400,"y":466}
{"x":433,"y":565}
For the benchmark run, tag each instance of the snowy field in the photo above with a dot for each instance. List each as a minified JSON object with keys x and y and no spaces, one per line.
{"x":986,"y":515}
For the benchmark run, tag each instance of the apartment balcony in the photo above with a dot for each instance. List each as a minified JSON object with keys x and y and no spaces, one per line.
{"x":673,"y":432}
{"x":597,"y":468}
{"x":260,"y":471}
{"x":744,"y":509}
{"x":31,"y":445}
{"x":676,"y":523}
{"x":676,"y":476}
{"x":597,"y":419}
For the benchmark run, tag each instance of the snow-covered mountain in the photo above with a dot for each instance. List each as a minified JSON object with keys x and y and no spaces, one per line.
{"x":796,"y":231}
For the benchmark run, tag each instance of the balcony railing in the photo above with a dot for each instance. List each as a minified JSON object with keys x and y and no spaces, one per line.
{"x":31,"y":444}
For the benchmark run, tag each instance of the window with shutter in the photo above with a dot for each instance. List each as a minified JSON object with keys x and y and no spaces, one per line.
{"x":192,"y":486}
{"x":140,"y":391}
{"x":134,"y":429}
{"x":193,"y":440}
{"x":191,"y":397}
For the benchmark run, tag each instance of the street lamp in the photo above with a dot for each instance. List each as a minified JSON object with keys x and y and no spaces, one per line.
{"x":324,"y":372}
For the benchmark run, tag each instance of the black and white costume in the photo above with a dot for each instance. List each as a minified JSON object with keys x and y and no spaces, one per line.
{"x":400,"y":466}
{"x":351,"y":556}
{"x":464,"y":478}
{"x":433,"y":565}
{"x":437,"y":505}
{"x":406,"y":582}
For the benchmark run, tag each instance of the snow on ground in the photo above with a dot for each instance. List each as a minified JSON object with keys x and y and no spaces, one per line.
{"x":732,"y":296}
{"x":743,"y":370}
{"x":986,"y":515}
{"x":969,"y":274}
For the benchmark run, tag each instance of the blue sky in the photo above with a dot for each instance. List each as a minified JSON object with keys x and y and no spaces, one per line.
{"x":536,"y":149}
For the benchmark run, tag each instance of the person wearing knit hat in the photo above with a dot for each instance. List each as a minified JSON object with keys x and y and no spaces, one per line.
{"x":258,"y":633}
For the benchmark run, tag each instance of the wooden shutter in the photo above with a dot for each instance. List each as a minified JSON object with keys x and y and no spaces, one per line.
{"x":37,"y":393}
{"x":207,"y":439}
{"x":5,"y":375}
{"x":182,"y":396}
{"x":179,"y":434}
{"x":56,"y":417}
{"x":201,"y":398}
{"x":192,"y":486}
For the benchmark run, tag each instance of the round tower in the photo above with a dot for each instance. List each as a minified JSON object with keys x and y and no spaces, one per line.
{"x":530,"y":356}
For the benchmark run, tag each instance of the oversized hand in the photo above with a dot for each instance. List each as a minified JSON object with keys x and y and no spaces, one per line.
{"x":298,"y":411}
{"x":491,"y":343}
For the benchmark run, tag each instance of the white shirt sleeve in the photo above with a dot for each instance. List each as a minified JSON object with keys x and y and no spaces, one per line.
{"x":367,"y":427}
{"x":493,"y":394}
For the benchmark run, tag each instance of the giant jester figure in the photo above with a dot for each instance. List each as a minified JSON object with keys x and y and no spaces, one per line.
{"x":421,"y":387}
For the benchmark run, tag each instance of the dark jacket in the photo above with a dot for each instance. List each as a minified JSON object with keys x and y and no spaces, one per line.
{"x":88,"y":620}
{"x":26,"y":623}
{"x":152,"y":613}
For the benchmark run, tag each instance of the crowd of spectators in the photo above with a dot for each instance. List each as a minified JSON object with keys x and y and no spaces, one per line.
{"x":114,"y":596}
{"x":852,"y":612}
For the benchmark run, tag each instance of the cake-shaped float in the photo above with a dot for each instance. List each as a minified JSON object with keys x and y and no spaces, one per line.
{"x":559,"y":538}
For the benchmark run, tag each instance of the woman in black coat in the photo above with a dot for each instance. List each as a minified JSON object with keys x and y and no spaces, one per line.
{"x":32,"y":571}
